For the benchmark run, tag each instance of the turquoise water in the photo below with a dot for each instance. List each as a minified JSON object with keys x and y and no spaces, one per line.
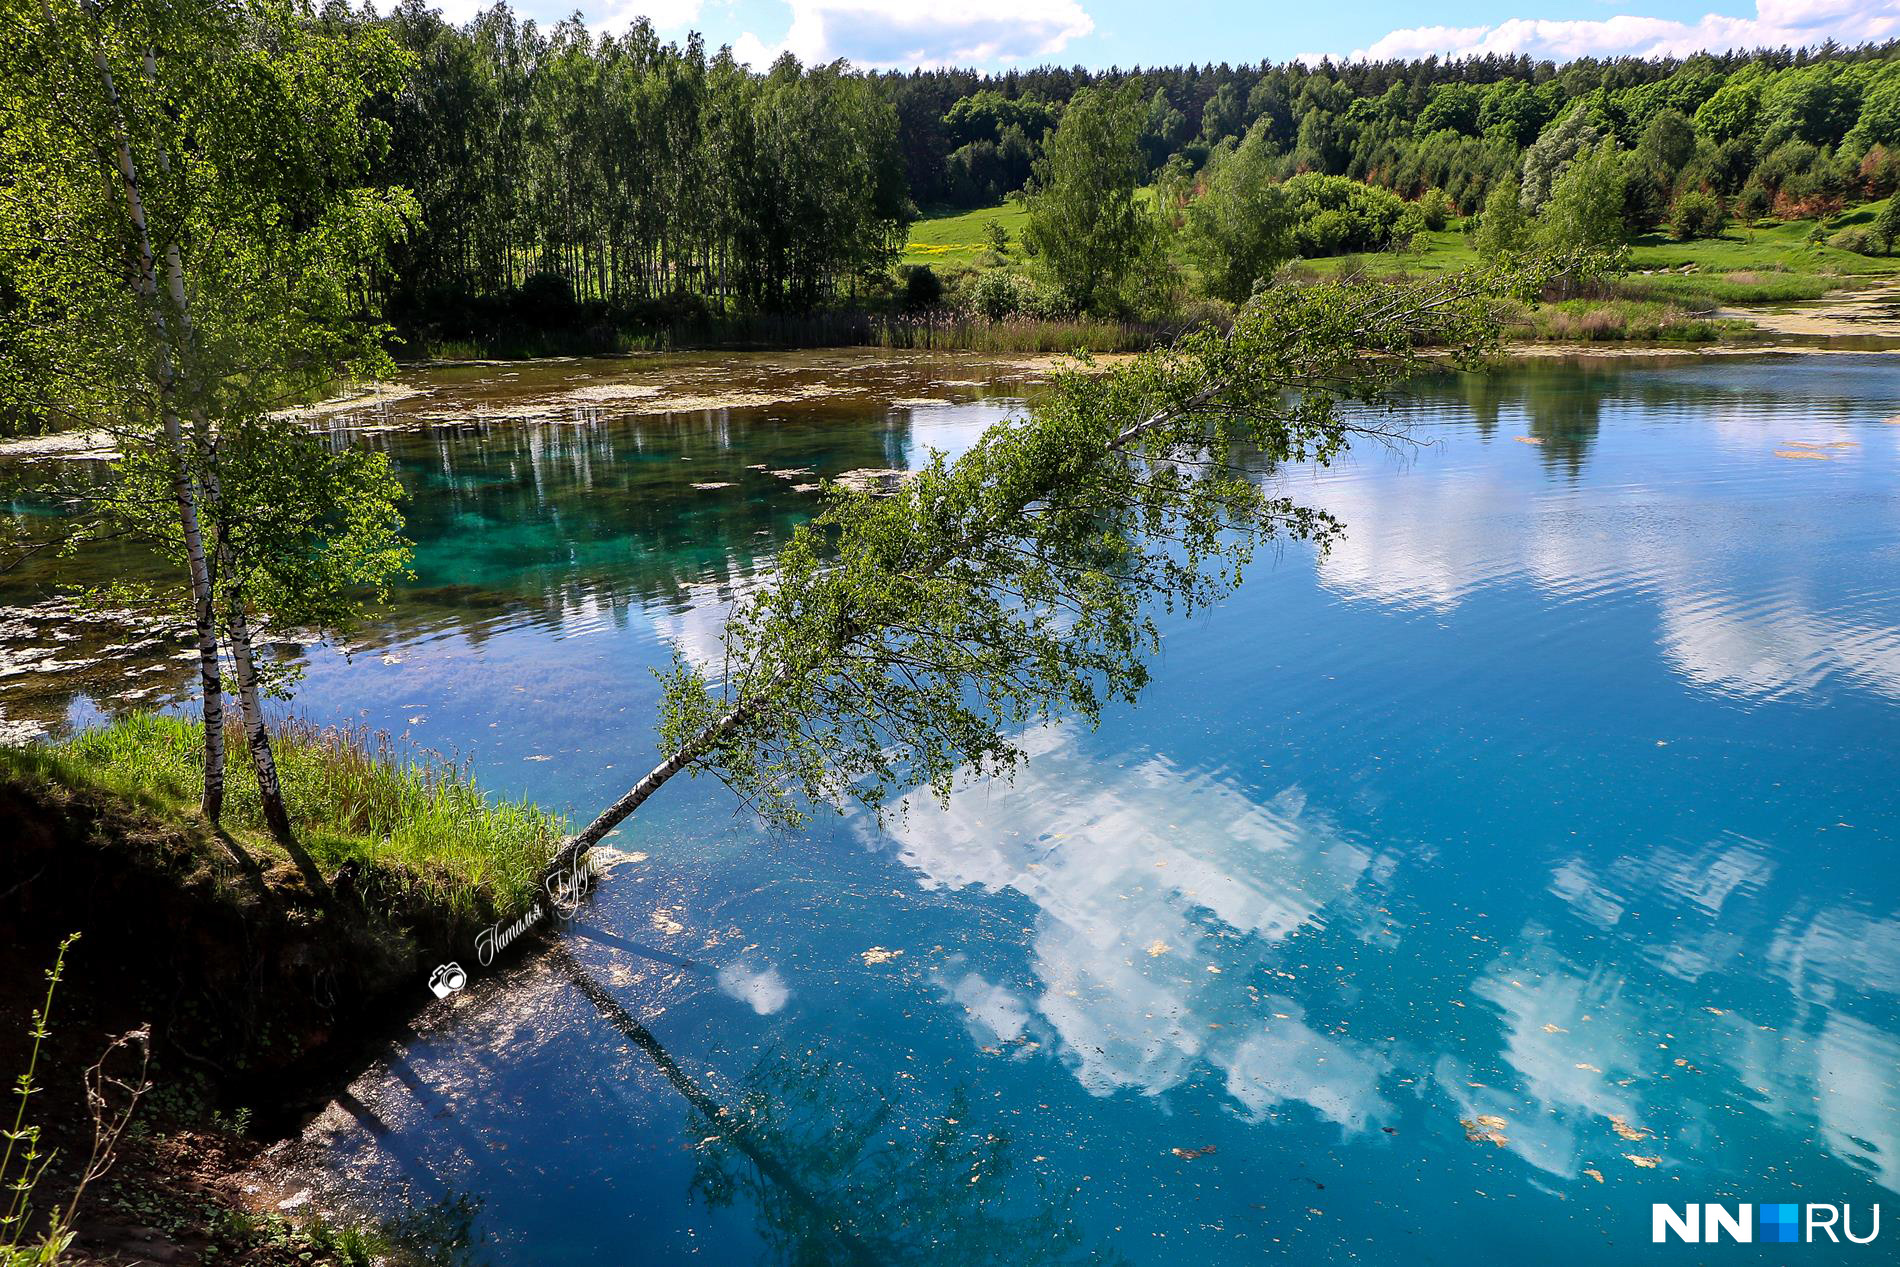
{"x":1526,"y":860}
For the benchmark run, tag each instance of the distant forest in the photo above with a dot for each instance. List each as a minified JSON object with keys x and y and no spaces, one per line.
{"x":562,"y":172}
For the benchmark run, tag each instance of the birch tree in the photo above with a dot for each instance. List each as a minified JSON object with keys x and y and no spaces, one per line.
{"x":910,"y":639}
{"x":184,"y":225}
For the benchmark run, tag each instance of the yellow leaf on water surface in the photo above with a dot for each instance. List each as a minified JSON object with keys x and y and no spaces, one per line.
{"x":1486,"y":1128}
{"x":1803,"y":453}
{"x":1589,"y":1068}
{"x":1189,"y":1154}
{"x":878,"y":954}
{"x":1554,"y":1029}
{"x":1157,"y":948}
{"x":1647,"y":1163}
{"x":665,"y":923}
{"x":1622,"y":1127}
{"x":1594,"y":1174}
{"x":1527,"y":439}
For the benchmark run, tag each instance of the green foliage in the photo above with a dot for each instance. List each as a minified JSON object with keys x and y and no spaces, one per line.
{"x":912,"y":638}
{"x":357,"y":796}
{"x":1241,"y":227}
{"x":1085,"y":226}
{"x":1668,"y":141}
{"x":999,"y":295}
{"x":1502,"y":227}
{"x":1585,"y":207}
{"x":986,"y":115}
{"x":1546,"y":162}
{"x":251,"y":153}
{"x":1696,"y":214}
{"x":1334,"y":215}
{"x":643,"y":173}
{"x":1886,"y":226}
{"x":922,"y":287}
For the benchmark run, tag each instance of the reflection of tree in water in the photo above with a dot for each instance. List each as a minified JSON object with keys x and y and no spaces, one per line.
{"x":880,"y":1184}
{"x":441,"y":1233}
{"x":839,"y":1173}
{"x":1565,"y":412}
{"x":1484,"y":395}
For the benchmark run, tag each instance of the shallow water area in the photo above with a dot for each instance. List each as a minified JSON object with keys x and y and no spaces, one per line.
{"x":1451,"y":896}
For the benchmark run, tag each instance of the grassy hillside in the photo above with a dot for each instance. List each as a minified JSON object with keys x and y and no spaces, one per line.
{"x":1671,"y":292}
{"x":1778,"y":248}
{"x":962,"y":238}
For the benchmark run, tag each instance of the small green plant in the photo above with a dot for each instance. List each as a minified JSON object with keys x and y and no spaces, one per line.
{"x":110,"y":1099}
{"x":997,"y":236}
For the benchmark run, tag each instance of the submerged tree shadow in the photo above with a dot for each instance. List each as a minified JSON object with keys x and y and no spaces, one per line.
{"x":834,"y":1179}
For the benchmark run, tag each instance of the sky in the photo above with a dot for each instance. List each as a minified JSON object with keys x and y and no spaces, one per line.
{"x":997,"y":34}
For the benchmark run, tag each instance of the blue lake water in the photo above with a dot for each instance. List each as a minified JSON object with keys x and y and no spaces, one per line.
{"x":1527,"y":859}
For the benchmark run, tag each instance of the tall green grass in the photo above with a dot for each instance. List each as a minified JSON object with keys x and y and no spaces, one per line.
{"x":352,"y":795}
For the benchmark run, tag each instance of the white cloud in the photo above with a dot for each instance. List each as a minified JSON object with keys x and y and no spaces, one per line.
{"x":1776,"y":22}
{"x":898,"y":33}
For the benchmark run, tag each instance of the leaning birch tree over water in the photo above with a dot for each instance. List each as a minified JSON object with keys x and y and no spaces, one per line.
{"x":189,"y":246}
{"x":911,"y":638}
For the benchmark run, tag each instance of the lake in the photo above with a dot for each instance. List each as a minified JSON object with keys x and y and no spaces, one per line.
{"x":1524,"y":860}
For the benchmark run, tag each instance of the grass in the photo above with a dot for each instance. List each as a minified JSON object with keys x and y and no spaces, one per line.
{"x":352,"y":796}
{"x":1774,"y":253}
{"x":962,"y":238}
{"x":1619,"y":320}
{"x":927,"y":332}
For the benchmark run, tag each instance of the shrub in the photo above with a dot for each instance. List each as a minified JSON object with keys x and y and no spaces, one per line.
{"x":922,"y":287}
{"x":1859,"y":241}
{"x":1696,"y":214}
{"x":1334,"y":215}
{"x":1880,"y":172}
{"x":1434,"y":209}
{"x":1887,"y":224}
{"x":1000,"y":295}
{"x":1753,"y":203}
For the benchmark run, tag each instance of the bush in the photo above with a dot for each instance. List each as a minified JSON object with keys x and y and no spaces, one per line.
{"x":1754,"y":202}
{"x":1334,"y":215}
{"x":1696,"y":214}
{"x":1859,"y":241}
{"x":547,"y":300}
{"x":1000,"y":295}
{"x":1880,"y":172}
{"x":1434,"y":209}
{"x":922,"y":287}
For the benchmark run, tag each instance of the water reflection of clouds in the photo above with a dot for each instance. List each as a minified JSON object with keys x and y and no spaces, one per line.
{"x":1158,"y":891}
{"x":1829,"y":1062}
{"x":1434,"y":540}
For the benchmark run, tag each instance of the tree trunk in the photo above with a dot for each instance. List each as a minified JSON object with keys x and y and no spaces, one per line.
{"x":575,"y":846}
{"x":269,"y":790}
{"x":184,"y":488}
